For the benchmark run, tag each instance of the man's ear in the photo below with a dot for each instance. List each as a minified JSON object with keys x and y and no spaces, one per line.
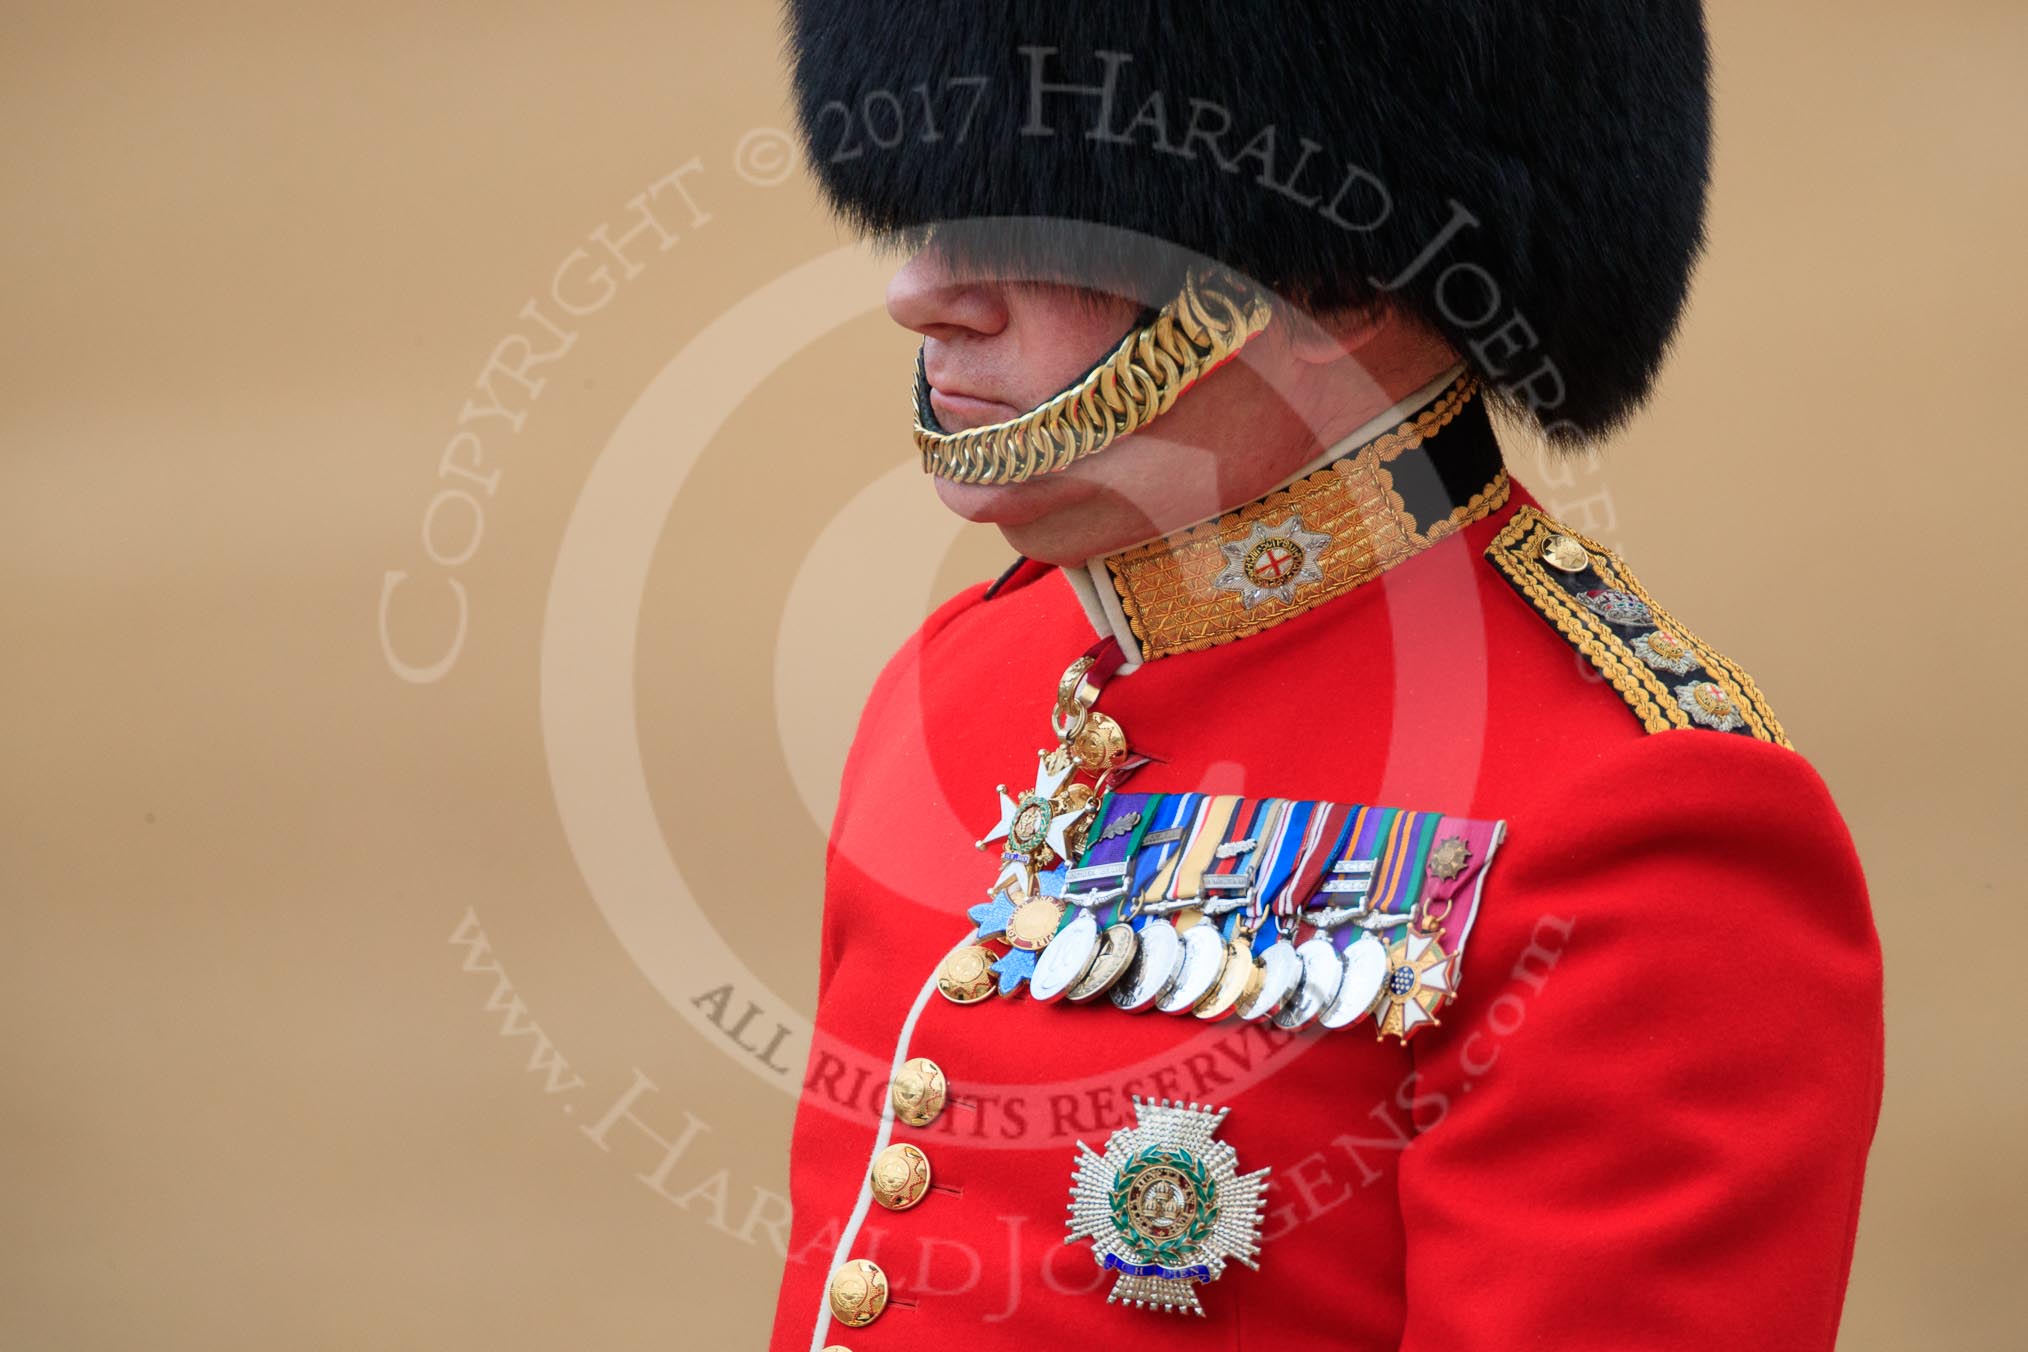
{"x":1320,"y":339}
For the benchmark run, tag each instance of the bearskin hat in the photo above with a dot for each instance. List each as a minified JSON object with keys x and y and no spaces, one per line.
{"x":1527,"y":177}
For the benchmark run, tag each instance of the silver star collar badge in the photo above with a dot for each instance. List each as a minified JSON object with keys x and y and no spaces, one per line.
{"x":1272,"y":562}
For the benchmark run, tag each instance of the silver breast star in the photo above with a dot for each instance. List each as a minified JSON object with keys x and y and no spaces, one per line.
{"x":1272,"y":562}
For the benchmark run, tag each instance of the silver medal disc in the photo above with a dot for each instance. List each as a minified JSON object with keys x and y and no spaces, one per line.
{"x":1323,"y":973}
{"x":1203,"y":960}
{"x":1157,"y":963}
{"x":1280,"y":971}
{"x":1064,"y":963}
{"x":1365,"y":972}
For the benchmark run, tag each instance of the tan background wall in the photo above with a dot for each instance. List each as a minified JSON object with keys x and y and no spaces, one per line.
{"x":254,"y":263}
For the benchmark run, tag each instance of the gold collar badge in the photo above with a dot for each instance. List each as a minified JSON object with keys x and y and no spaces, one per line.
{"x":1312,"y":541}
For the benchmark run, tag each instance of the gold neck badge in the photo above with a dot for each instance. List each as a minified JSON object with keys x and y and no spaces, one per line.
{"x":1307,"y":543}
{"x":1212,"y":318}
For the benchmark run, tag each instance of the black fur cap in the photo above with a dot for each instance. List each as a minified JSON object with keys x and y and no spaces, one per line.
{"x":1526,"y":175}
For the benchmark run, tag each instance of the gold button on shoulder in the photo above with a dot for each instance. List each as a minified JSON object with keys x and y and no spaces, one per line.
{"x":965,"y":976}
{"x":900,"y":1177}
{"x":858,"y":1293}
{"x":1566,"y":553}
{"x":918,"y":1091}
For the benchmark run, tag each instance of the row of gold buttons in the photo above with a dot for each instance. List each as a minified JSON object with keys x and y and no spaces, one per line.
{"x":900,"y":1178}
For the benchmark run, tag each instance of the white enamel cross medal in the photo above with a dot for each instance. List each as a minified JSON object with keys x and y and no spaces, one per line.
{"x":1165,"y":1205}
{"x":1042,"y":828}
{"x":1040,"y":820}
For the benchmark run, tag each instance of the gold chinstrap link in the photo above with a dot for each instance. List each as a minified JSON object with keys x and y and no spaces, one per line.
{"x":1209,"y":320}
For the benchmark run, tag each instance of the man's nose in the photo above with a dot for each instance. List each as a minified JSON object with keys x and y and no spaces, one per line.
{"x":926,"y":297}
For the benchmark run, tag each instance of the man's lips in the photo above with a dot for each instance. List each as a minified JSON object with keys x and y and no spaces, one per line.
{"x":957,"y":411}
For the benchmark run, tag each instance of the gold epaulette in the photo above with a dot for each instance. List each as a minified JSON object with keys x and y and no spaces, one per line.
{"x":1668,"y":676}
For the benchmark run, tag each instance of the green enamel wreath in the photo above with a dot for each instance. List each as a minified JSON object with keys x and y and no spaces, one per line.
{"x":1169,"y":1252}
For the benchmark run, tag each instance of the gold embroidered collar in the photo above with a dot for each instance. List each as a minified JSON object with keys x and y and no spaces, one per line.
{"x":1340,"y":523}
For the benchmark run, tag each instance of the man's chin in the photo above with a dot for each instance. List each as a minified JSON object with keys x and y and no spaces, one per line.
{"x":1006,"y":505}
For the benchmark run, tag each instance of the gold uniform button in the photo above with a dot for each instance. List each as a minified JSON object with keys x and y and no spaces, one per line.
{"x":965,"y":976}
{"x":900,"y":1177}
{"x":858,"y":1293}
{"x":1566,"y":553}
{"x":918,"y":1092}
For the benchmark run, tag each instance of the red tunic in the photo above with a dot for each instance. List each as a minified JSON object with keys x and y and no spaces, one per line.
{"x":1643,"y":1123}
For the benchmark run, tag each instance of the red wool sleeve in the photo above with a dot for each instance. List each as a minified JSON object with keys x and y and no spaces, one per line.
{"x":1645,"y":1123}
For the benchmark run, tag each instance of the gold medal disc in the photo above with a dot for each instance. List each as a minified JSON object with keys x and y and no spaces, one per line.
{"x":1034,"y":924}
{"x":1115,"y":955}
{"x":1240,"y":970}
